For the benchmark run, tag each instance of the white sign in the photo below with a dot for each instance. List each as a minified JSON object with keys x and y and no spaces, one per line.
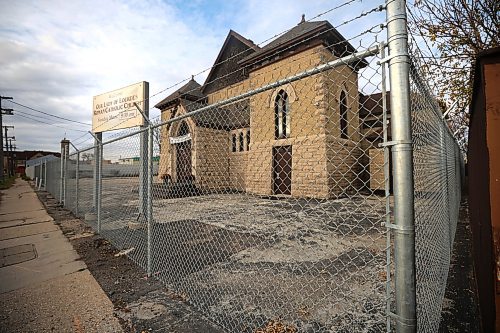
{"x":116,"y":110}
{"x":179,"y":139}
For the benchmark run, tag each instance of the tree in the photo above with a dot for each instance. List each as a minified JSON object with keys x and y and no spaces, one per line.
{"x":87,"y":157}
{"x":459,"y":30}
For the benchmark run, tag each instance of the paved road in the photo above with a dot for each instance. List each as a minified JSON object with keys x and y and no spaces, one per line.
{"x":44,"y":287}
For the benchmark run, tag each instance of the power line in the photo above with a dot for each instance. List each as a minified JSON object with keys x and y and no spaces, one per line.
{"x":51,"y":115}
{"x":40,"y":121}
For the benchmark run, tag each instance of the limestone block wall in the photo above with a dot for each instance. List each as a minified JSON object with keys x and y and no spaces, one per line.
{"x":259,"y":168}
{"x":165,"y":164}
{"x":212,"y":160}
{"x":237,"y":170}
{"x":309,"y":167}
{"x":238,"y":159}
{"x":308,"y":162}
{"x":377,"y":178}
{"x":344,"y":166}
{"x":323,"y":164}
{"x":230,"y":91}
{"x":333,"y":82}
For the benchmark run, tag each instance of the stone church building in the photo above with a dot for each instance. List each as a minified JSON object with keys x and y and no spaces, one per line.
{"x":303,"y":139}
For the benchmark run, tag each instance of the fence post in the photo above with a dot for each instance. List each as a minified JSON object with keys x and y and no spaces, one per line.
{"x":97,"y":177}
{"x":402,"y":157}
{"x":60,"y":176}
{"x":146,"y":174}
{"x":99,"y":184}
{"x":66,"y":157}
{"x":150,"y":195}
{"x":45,"y":176}
{"x":77,"y":179}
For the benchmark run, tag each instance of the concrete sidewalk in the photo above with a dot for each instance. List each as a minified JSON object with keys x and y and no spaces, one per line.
{"x":44,"y":287}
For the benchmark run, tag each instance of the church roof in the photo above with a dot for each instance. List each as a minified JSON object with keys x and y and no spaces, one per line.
{"x":236,"y":115}
{"x":191,"y":91}
{"x":302,"y":32}
{"x":225,"y":70}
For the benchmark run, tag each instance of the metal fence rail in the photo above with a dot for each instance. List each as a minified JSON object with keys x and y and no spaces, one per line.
{"x":274,"y":201}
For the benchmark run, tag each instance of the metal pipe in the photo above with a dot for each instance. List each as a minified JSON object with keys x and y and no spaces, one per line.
{"x":99,"y":187}
{"x":143,"y":152}
{"x":97,"y":176}
{"x":65,"y":175}
{"x":387,"y":188}
{"x":402,"y":161}
{"x":45,"y":176}
{"x":150,"y":198}
{"x":60,"y":176}
{"x":77,"y":180}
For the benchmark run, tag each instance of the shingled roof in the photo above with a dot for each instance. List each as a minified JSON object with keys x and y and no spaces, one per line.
{"x":226,"y":70}
{"x":191,"y":91}
{"x":304,"y":31}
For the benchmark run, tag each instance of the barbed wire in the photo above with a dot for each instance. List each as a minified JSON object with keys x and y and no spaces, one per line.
{"x":345,"y":22}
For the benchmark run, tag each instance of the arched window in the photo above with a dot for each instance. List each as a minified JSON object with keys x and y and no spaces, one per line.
{"x":343,"y":115}
{"x":281,"y":116}
{"x":242,"y":147}
{"x":183,"y":129}
{"x":234,"y":143}
{"x":248,"y":140}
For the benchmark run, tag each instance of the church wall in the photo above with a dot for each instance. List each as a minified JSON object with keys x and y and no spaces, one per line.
{"x":309,"y":172}
{"x":165,"y":165}
{"x":212,"y":160}
{"x":238,"y":160}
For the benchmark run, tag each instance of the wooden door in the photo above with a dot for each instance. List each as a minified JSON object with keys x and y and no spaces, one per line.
{"x":282,"y":170}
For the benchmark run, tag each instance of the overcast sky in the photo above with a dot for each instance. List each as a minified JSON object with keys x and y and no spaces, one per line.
{"x":56,"y":55}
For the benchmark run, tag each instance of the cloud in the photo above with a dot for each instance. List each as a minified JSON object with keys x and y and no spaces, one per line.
{"x":56,"y":55}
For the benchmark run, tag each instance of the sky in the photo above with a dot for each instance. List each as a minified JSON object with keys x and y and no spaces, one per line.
{"x":56,"y":55}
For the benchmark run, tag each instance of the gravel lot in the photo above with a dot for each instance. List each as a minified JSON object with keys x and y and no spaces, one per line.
{"x":246,"y":261}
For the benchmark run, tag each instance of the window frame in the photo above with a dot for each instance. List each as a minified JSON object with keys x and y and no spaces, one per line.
{"x":281,"y":115}
{"x":343,"y":118}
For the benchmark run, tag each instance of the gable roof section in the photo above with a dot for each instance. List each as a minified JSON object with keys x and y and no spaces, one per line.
{"x":226,"y":70}
{"x":190,"y":91}
{"x":303,"y":32}
{"x":236,"y":115}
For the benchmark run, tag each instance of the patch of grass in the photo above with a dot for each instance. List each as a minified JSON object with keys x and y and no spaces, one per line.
{"x":25,"y":177}
{"x":7,"y":182}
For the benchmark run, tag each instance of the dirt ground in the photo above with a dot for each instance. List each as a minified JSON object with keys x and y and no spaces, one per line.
{"x":247,"y":261}
{"x":250,"y":264}
{"x":460,"y":305}
{"x":141,"y":304}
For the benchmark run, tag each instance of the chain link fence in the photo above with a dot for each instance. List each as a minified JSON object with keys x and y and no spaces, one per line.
{"x":438,"y":168}
{"x":265,"y":197}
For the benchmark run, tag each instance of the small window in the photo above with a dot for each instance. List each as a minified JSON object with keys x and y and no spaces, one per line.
{"x":343,"y":115}
{"x":281,"y":116}
{"x":234,"y":143}
{"x":248,"y":140}
{"x":241,"y":142}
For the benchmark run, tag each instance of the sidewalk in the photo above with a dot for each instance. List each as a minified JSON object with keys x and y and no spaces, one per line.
{"x":44,"y":287}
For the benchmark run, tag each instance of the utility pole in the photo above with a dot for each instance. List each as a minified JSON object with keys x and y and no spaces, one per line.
{"x":13,"y":156}
{"x":9,"y":155}
{"x":2,"y":112}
